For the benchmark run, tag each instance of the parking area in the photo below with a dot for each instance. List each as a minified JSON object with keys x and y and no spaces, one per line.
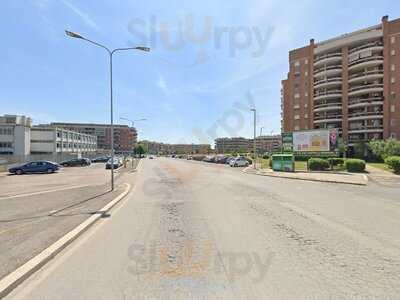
{"x":37,"y":209}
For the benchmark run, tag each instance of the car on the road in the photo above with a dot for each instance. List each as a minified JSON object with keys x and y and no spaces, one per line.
{"x":102,"y":159}
{"x":82,"y":162}
{"x":151,"y":157}
{"x":209,"y":159}
{"x":239,"y":162}
{"x":117,"y":163}
{"x":229,"y":159}
{"x":35,"y":167}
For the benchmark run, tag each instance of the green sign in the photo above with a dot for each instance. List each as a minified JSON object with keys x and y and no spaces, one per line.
{"x":287,"y":142}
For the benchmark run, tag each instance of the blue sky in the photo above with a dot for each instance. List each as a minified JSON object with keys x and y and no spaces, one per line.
{"x":194,"y":85}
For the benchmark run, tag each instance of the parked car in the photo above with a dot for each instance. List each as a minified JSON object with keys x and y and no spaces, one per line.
{"x":101,"y":159}
{"x":151,"y":157}
{"x":221,"y":159}
{"x":229,"y":159}
{"x":76,"y":162}
{"x":117,"y":163}
{"x":239,"y":162}
{"x":209,"y":158}
{"x":35,"y":167}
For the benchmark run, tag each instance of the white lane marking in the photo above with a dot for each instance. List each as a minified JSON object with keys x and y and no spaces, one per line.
{"x":46,"y":191}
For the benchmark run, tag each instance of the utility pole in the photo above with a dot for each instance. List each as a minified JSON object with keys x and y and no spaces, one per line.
{"x":255,"y":135}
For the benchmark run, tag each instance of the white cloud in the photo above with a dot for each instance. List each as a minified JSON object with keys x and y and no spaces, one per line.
{"x":84,"y":17}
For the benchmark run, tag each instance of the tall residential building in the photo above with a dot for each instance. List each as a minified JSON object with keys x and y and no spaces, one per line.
{"x":15,"y":135}
{"x":351,"y":82}
{"x":125,"y":137}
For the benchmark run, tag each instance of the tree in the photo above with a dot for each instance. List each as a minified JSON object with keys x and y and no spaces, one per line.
{"x":342,"y":147}
{"x":384,"y":149}
{"x":140,"y":149}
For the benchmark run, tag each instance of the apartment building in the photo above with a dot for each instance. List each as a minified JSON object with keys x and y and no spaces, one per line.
{"x":268,"y":143}
{"x":234,"y":144}
{"x":58,"y":141}
{"x":162,"y":148}
{"x":15,"y":135}
{"x":125,"y":137}
{"x":351,"y":82}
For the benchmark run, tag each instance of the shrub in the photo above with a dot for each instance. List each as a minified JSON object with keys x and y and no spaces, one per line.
{"x":355,"y":165}
{"x":335,"y":161}
{"x":394,"y":163}
{"x":318,"y":164}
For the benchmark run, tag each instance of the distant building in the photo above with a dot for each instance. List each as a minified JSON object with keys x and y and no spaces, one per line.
{"x":268,"y":143}
{"x":125,"y":137}
{"x":59,"y":141}
{"x":15,"y":135}
{"x":234,"y":144}
{"x":161,"y":148}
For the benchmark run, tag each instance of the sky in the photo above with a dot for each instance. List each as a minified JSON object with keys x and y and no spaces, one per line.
{"x":210,"y":61}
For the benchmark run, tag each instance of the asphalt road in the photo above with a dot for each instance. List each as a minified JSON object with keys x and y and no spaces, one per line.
{"x":201,"y":231}
{"x":36,"y":210}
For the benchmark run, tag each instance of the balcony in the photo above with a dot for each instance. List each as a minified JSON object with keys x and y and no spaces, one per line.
{"x":328,"y":118}
{"x":365,"y":76}
{"x":365,"y":102}
{"x":328,"y":58}
{"x":366,"y":89}
{"x":327,"y":106}
{"x":328,"y":94}
{"x":377,"y":45}
{"x":328,"y":70}
{"x":328,"y":82}
{"x":366,"y":129}
{"x":365,"y":115}
{"x":366,"y":62}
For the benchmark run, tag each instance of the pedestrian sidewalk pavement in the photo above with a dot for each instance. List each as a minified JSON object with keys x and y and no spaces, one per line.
{"x":382,"y":177}
{"x":340,"y":177}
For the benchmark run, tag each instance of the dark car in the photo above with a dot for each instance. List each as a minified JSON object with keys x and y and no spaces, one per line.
{"x":117,"y":163}
{"x":35,"y":167}
{"x":102,"y":159}
{"x":76,"y":162}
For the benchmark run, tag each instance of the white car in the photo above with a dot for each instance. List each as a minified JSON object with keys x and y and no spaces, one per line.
{"x":239,"y":162}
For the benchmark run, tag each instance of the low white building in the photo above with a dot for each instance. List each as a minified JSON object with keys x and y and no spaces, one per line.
{"x":54,"y":140}
{"x":15,"y":135}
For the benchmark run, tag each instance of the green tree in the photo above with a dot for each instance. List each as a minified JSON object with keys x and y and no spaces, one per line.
{"x":140,"y":149}
{"x":384,"y":149}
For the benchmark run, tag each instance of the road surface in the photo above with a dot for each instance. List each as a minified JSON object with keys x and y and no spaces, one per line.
{"x":191,"y":230}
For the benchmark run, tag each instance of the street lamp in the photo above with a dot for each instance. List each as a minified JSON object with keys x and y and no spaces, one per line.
{"x":110,"y":53}
{"x":254,"y":140}
{"x":132,"y":121}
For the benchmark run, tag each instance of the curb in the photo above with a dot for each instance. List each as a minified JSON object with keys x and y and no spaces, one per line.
{"x":311,"y":179}
{"x":12,"y":280}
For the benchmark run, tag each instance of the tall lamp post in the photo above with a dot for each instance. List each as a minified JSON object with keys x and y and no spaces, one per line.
{"x":254,"y":140}
{"x":110,"y":52}
{"x":261,"y":130}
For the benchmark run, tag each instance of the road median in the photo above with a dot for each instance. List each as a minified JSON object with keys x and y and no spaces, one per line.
{"x":341,"y":178}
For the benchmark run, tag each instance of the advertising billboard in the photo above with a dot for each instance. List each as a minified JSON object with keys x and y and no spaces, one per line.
{"x":322,"y":140}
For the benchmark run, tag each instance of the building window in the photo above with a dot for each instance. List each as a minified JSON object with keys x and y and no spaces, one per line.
{"x":297,"y":95}
{"x":296,"y":63}
{"x":306,"y":94}
{"x":393,"y":39}
{"x":306,"y":116}
{"x":306,"y":73}
{"x":306,"y":61}
{"x":393,"y":95}
{"x":393,"y":52}
{"x":393,"y":67}
{"x":296,"y":106}
{"x":393,"y":135}
{"x":296,"y":117}
{"x":392,"y":108}
{"x":296,"y":128}
{"x":305,"y":105}
{"x":392,"y":79}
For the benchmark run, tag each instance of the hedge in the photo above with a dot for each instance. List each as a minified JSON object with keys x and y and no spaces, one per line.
{"x":394,"y":163}
{"x":355,"y":165}
{"x":335,"y":161}
{"x":318,"y":164}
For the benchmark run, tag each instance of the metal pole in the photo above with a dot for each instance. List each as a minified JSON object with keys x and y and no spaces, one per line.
{"x":112,"y":121}
{"x":254,"y":142}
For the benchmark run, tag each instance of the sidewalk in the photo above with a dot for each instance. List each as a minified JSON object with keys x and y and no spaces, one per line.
{"x":344,"y":178}
{"x":382,"y":177}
